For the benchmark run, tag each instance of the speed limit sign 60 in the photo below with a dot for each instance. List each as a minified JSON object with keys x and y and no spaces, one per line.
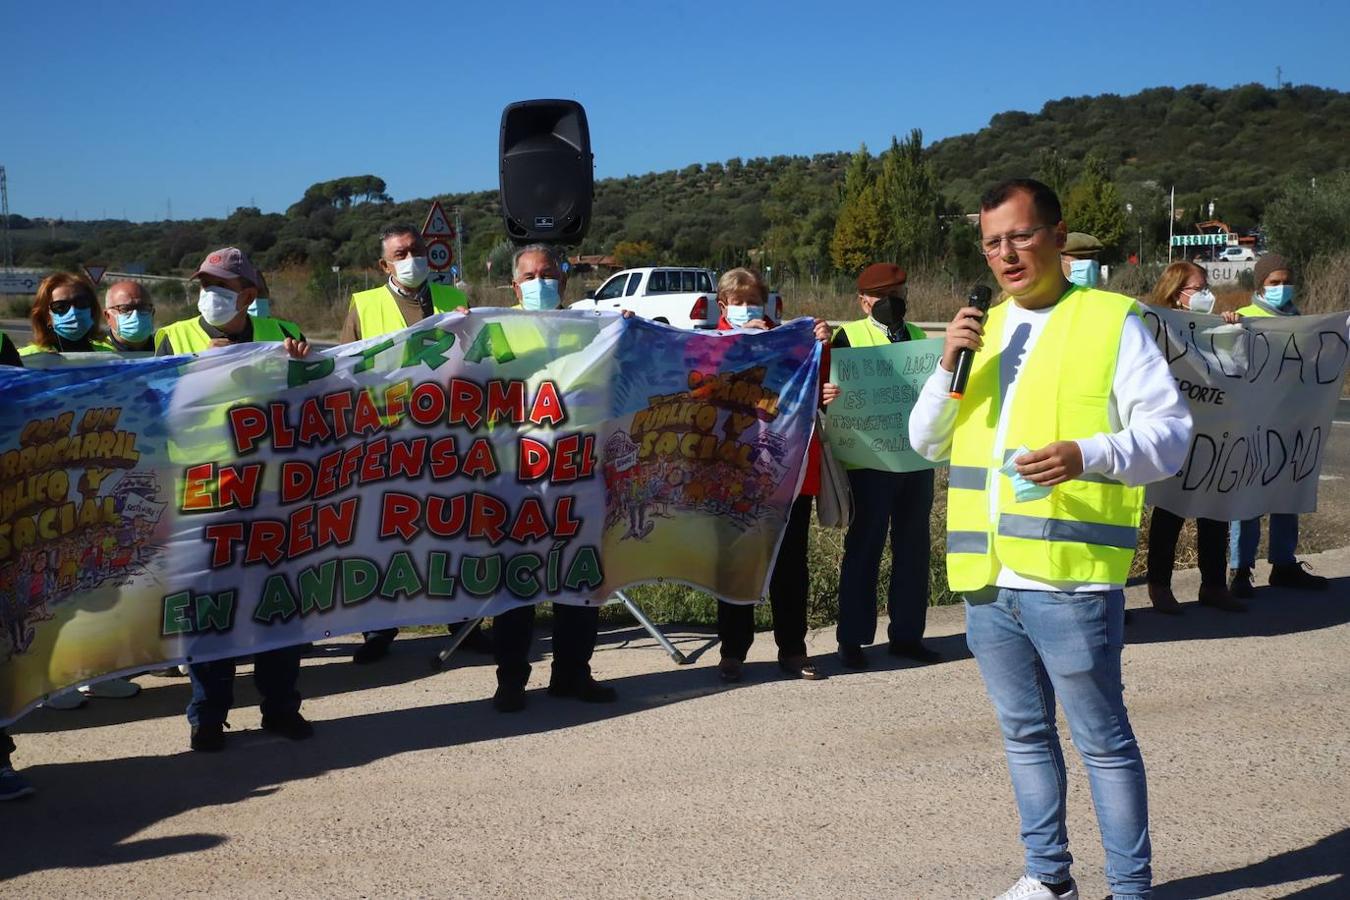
{"x":438,"y":255}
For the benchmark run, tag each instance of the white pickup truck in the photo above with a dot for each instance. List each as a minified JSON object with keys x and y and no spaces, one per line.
{"x":681,"y":296}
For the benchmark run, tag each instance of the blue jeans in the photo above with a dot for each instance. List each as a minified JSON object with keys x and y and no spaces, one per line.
{"x":1034,"y":646}
{"x":275,"y":673}
{"x":897,"y":504}
{"x":1245,"y":535}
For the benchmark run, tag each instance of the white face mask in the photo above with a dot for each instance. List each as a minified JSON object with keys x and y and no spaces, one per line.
{"x":218,"y":305}
{"x":411,"y":271}
{"x":1202,"y":301}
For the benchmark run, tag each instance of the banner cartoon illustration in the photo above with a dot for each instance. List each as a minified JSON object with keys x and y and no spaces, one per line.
{"x":190,"y":508}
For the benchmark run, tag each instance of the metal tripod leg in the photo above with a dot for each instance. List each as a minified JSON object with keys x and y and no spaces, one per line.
{"x":655,"y":632}
{"x":438,"y":661}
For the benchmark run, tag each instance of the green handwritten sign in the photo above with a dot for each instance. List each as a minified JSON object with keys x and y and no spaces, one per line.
{"x":868,"y":425}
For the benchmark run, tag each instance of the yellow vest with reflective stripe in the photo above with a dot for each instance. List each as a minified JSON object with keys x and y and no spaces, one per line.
{"x":862,"y":333}
{"x":1086,"y":530}
{"x":188,"y":335}
{"x":378,"y":311}
{"x":1254,"y":310}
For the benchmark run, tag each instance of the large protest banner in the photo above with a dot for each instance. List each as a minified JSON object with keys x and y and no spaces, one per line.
{"x":868,"y":425}
{"x":193,"y":508}
{"x":1262,"y":394}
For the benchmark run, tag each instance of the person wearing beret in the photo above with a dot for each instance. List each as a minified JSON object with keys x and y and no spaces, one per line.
{"x":1079,"y":260}
{"x":897,"y":504}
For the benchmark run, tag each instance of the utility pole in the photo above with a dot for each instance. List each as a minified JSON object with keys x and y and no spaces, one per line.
{"x":459,"y":243}
{"x":1279,"y":80}
{"x":6,"y":249}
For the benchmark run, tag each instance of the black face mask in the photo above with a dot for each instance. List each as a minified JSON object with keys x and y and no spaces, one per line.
{"x":890,"y":312}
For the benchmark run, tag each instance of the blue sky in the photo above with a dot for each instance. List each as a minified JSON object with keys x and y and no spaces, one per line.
{"x":115,"y":108}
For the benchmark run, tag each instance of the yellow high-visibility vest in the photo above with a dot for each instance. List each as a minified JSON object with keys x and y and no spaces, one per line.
{"x":1086,"y":530}
{"x":188,"y":335}
{"x":1252,"y":309}
{"x":862,"y":333}
{"x":378,"y":311}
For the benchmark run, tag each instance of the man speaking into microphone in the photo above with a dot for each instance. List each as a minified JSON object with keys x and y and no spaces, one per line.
{"x":1069,"y":409}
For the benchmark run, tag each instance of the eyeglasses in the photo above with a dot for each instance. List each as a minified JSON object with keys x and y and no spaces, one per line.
{"x":133,"y":308}
{"x":1020,"y":240}
{"x":61,"y":307}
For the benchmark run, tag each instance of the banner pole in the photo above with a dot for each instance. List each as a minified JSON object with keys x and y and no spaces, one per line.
{"x":438,"y":661}
{"x":652,"y":629}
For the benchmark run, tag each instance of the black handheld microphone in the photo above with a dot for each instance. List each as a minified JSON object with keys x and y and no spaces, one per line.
{"x":979,"y":298}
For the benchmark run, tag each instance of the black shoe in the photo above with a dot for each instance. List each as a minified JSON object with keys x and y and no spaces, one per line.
{"x":587,"y":690}
{"x":375,"y":647}
{"x":1241,"y":586}
{"x":852,"y":656}
{"x":1296,"y":575}
{"x":293,"y":726}
{"x":509,"y":698}
{"x":914,"y":650}
{"x":208,"y":738}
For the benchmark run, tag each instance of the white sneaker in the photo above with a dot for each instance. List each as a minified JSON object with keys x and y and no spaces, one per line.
{"x":112,"y":689}
{"x":68,"y":700}
{"x":1028,"y":888}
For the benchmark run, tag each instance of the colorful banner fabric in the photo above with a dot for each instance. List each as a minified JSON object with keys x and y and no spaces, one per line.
{"x":868,"y":425}
{"x":194,"y":508}
{"x":1263,"y":394}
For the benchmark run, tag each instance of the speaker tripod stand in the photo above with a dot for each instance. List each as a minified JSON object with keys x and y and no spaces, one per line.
{"x":460,"y":636}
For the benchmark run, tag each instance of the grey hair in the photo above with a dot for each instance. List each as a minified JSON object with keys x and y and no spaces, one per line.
{"x":395,"y":230}
{"x":551,"y":252}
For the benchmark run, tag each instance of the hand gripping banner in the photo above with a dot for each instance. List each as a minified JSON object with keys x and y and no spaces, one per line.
{"x":193,"y":508}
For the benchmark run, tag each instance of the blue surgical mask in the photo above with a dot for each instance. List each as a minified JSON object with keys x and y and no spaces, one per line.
{"x":740,"y":316}
{"x":260,"y":307}
{"x":134,"y":327}
{"x":1085,"y":272}
{"x":540,"y":293}
{"x":1023,"y":489}
{"x":73,"y":324}
{"x":1279,"y":295}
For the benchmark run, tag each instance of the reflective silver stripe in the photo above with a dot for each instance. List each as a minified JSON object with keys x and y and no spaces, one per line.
{"x":970,"y":478}
{"x":1039,"y":529}
{"x":967,"y":542}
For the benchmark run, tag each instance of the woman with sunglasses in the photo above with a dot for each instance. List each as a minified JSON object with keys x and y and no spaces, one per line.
{"x":66,"y":316}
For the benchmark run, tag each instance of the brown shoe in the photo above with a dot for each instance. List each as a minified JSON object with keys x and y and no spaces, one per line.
{"x":1219,"y":597}
{"x":1163,"y":600}
{"x":730,"y":670}
{"x":799,"y":667}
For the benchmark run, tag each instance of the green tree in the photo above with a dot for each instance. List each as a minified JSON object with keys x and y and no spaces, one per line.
{"x":1310,"y":218}
{"x":1053,"y":170}
{"x":860,"y":232}
{"x":1094,"y":206}
{"x":910,"y":203}
{"x":634,"y":253}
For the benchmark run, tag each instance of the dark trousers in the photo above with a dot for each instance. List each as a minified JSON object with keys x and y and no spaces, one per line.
{"x":1211,"y":542}
{"x":574,"y":632}
{"x":898,"y":504}
{"x":275,"y":673}
{"x":6,"y":748}
{"x":788,"y":585}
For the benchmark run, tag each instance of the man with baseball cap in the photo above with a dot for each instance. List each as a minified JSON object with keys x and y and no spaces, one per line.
{"x":894,"y":503}
{"x":229,"y":284}
{"x":1274,"y":296}
{"x":1079,"y":260}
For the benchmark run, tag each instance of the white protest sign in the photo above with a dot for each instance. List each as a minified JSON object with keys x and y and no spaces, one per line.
{"x":1262,"y":395}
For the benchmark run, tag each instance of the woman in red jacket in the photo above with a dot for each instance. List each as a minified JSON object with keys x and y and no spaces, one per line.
{"x":742,"y":296}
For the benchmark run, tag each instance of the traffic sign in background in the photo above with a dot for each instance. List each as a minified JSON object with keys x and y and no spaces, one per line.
{"x":437,"y":223}
{"x":439,"y":255}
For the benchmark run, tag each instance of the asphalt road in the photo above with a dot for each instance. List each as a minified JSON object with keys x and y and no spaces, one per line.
{"x":884,"y":783}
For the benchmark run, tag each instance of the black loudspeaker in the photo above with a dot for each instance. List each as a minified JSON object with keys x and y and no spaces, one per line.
{"x":547,"y":171}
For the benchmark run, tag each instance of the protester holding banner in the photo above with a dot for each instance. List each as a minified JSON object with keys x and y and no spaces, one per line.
{"x":1069,"y":409}
{"x":229,"y":283}
{"x":538,"y":282}
{"x":898,"y":504}
{"x":406,"y":298}
{"x":65,"y":316}
{"x":1274,"y":280}
{"x":742,"y":296}
{"x":130,"y":316}
{"x":12,"y":785}
{"x":1184,"y":285}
